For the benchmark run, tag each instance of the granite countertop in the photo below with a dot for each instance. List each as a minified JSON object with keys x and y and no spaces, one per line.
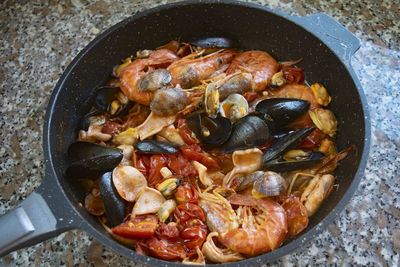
{"x":38,"y":39}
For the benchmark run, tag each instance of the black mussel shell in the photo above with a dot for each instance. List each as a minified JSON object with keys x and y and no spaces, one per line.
{"x":156,"y":147}
{"x":282,"y":132}
{"x":283,"y":110}
{"x":280,"y":146}
{"x":86,"y":118}
{"x":247,"y":132}
{"x":89,"y":160}
{"x":208,"y":130}
{"x":114,"y":204}
{"x":103,"y":98}
{"x":212,"y":42}
{"x":278,"y":165}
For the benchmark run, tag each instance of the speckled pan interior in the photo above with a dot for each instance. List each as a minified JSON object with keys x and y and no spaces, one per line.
{"x":252,"y":28}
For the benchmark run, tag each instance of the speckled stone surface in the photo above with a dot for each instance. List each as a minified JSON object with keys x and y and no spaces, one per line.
{"x":38,"y":39}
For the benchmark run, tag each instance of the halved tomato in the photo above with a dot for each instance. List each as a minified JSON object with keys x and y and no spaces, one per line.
{"x":137,"y":227}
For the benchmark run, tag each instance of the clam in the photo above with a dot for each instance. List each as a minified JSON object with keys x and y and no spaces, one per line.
{"x":89,"y":160}
{"x":283,"y":110}
{"x":168,"y":101}
{"x":269,"y":185}
{"x":156,"y":147}
{"x":247,"y":180}
{"x":155,"y":80}
{"x":128,"y":181}
{"x":247,"y":132}
{"x":112,"y":100}
{"x":210,"y":131}
{"x":211,"y":100}
{"x":114,"y":204}
{"x":238,"y":84}
{"x":234,"y":107}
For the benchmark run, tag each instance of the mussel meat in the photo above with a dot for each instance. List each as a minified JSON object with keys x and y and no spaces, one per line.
{"x":155,"y":80}
{"x":247,"y":132}
{"x":114,"y":205}
{"x":211,"y":100}
{"x":112,"y":100}
{"x":168,"y":101}
{"x":210,"y":131}
{"x":283,"y":110}
{"x":279,"y":165}
{"x":269,"y":185}
{"x":281,"y":145}
{"x":156,"y":147}
{"x":89,"y":160}
{"x":234,"y":107}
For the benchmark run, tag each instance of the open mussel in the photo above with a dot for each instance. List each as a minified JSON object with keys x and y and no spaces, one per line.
{"x":89,"y":160}
{"x":283,"y":110}
{"x":281,"y":145}
{"x":247,"y":132}
{"x":208,"y":130}
{"x":156,"y":147}
{"x":111,"y":100}
{"x":114,"y":204}
{"x":310,"y":159}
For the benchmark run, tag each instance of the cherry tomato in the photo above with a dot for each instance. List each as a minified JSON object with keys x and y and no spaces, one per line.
{"x":193,"y":237}
{"x":181,"y":166}
{"x":313,"y":140}
{"x":142,"y":163}
{"x":167,"y":231}
{"x":138,"y":227}
{"x":297,"y":216}
{"x":195,"y":223}
{"x":186,"y":193}
{"x":186,"y":211}
{"x":250,"y":96}
{"x":156,"y":163}
{"x":165,"y":250}
{"x":194,"y":152}
{"x":186,"y":134}
{"x":293,"y":75}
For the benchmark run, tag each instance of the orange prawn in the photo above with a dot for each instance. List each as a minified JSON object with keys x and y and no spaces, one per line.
{"x":135,"y":71}
{"x":192,"y":69}
{"x":261,"y":65}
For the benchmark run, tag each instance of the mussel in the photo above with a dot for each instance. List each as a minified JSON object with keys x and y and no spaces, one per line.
{"x":155,"y":80}
{"x":212,"y":42}
{"x":111,"y":100}
{"x":283,"y":110}
{"x":279,"y":165}
{"x":114,"y":204}
{"x":210,"y":131}
{"x":156,"y":147}
{"x":89,"y":160}
{"x":282,"y":145}
{"x":247,"y":132}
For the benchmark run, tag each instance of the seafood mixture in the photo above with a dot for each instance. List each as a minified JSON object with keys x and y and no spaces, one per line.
{"x":200,"y":152}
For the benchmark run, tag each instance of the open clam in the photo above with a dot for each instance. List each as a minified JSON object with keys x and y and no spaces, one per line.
{"x":234,"y":107}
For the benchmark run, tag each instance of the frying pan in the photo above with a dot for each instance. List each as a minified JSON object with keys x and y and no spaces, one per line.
{"x":325,"y":46}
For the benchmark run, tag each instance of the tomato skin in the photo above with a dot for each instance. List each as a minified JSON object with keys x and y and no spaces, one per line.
{"x":186,"y":133}
{"x":186,"y":193}
{"x":167,"y":231}
{"x":157,"y":161}
{"x":181,"y":166}
{"x":138,"y":227}
{"x":165,"y":250}
{"x":142,"y":163}
{"x":186,"y":211}
{"x":194,"y":152}
{"x":193,"y":237}
{"x":297,"y":216}
{"x":313,"y":140}
{"x":293,"y":75}
{"x":250,"y":96}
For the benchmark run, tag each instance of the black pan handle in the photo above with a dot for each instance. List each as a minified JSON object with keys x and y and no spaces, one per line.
{"x":42,"y":215}
{"x":332,"y":33}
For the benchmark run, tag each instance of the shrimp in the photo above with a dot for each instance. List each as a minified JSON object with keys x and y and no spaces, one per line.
{"x":258,"y":226}
{"x":135,"y":71}
{"x":261,"y":65}
{"x":263,"y":225}
{"x":192,"y":69}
